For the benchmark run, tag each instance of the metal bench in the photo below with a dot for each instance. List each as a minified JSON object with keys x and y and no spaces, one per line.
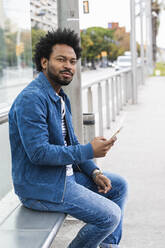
{"x":21,"y":227}
{"x":25,"y":228}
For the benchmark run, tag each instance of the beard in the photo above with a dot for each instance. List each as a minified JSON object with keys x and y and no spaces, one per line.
{"x":57,"y":79}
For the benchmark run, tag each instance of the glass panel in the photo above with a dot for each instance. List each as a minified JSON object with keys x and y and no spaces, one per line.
{"x":15,"y":48}
{"x":5,"y":166}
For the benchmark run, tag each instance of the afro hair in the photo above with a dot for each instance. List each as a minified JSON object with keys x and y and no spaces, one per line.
{"x":43,"y":48}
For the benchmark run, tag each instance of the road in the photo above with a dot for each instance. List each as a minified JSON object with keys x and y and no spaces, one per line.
{"x":93,"y":75}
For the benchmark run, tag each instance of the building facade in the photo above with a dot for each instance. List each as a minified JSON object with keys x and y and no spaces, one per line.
{"x":43,"y":14}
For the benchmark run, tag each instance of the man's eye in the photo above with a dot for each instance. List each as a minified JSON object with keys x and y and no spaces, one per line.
{"x":60,"y":59}
{"x":73,"y":62}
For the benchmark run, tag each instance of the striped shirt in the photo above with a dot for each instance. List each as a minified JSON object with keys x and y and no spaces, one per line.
{"x":69,"y":169}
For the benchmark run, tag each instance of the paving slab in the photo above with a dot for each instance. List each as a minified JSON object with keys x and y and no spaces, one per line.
{"x":139,"y":156}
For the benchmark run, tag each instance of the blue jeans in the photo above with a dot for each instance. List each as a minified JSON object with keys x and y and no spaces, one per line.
{"x":103,"y":213}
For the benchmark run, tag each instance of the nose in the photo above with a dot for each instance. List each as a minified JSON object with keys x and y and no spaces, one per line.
{"x":67,"y":64}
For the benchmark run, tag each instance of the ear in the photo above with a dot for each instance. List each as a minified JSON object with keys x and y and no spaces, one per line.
{"x":44,"y":63}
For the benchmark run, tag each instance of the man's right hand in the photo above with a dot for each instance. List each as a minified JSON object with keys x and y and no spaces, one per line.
{"x":101,"y":146}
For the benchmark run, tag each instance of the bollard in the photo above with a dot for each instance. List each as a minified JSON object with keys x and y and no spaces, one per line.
{"x":88,"y":127}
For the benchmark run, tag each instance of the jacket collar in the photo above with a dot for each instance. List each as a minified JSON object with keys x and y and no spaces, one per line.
{"x":48,"y":87}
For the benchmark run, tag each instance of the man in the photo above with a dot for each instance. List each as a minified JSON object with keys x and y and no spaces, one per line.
{"x":51,"y":171}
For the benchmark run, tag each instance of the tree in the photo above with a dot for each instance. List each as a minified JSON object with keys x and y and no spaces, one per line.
{"x":27,"y":53}
{"x":10,"y":41}
{"x":86,"y":42}
{"x":96,"y":36}
{"x":2,"y":50}
{"x":95,"y":40}
{"x":36,"y":35}
{"x":115,"y":51}
{"x":156,"y":7}
{"x":123,"y":38}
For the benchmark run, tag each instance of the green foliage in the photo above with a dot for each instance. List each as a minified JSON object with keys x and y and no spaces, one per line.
{"x":10,"y":41}
{"x":159,"y":69}
{"x":27,"y":54}
{"x":2,"y":49}
{"x":96,"y":40}
{"x":36,"y":35}
{"x":115,"y":51}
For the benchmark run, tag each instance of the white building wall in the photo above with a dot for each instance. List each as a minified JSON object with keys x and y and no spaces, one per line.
{"x":44,"y":14}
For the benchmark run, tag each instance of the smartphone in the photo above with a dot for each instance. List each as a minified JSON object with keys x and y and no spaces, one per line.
{"x":116,"y":133}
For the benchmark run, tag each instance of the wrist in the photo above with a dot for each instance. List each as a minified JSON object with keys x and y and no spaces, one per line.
{"x":95,"y":173}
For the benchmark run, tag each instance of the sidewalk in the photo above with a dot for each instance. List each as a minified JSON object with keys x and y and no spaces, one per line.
{"x":139,"y":157}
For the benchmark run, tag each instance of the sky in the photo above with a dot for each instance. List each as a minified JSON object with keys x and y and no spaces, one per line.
{"x":104,"y":11}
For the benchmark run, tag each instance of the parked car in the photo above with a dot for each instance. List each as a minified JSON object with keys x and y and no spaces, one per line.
{"x":110,"y":64}
{"x":127,"y":53}
{"x":123,"y":62}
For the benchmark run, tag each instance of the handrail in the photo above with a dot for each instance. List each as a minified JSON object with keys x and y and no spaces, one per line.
{"x":4,"y":114}
{"x":4,"y":110}
{"x":117,"y":93}
{"x":115,"y":74}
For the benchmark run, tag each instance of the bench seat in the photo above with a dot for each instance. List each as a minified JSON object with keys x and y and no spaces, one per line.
{"x":25,"y":228}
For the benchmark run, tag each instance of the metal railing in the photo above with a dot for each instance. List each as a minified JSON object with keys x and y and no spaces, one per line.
{"x":4,"y":114}
{"x":118,"y":91}
{"x":113,"y":93}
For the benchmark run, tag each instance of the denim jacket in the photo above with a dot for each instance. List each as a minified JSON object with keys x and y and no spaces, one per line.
{"x":39,"y":156}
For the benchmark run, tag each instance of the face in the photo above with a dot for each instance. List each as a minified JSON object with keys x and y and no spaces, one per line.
{"x":61,"y":65}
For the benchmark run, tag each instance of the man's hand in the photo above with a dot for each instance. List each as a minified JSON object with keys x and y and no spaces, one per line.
{"x":101,"y":146}
{"x":103,"y":183}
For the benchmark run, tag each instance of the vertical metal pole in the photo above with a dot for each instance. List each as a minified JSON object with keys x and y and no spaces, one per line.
{"x":142,"y":41}
{"x":120,"y":92}
{"x":124,"y":88}
{"x":18,"y":44}
{"x":130,"y":86}
{"x":139,"y":75}
{"x":117,"y":95}
{"x":149,"y":42}
{"x":100,"y":109}
{"x":90,"y":102}
{"x":68,"y":17}
{"x":133,"y":52}
{"x":107,"y":99}
{"x":113,"y":99}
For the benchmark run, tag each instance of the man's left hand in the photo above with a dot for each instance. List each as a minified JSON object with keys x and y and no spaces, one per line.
{"x":103,"y":183}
